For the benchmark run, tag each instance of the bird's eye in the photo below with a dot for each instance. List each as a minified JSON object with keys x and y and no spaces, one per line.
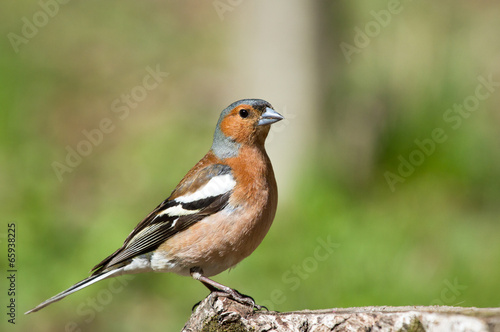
{"x":243,"y":113}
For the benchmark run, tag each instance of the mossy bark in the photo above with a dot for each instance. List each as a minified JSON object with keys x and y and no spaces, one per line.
{"x":223,"y":314}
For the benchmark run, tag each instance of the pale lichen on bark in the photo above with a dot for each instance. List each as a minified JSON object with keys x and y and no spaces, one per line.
{"x":223,"y":314}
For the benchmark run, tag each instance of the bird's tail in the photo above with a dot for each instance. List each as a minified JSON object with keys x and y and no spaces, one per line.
{"x":76,"y":287}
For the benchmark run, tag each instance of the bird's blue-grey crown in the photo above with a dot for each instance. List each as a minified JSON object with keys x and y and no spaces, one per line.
{"x":226,"y":147}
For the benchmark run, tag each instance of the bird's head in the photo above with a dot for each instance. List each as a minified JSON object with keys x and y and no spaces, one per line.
{"x":244,"y":122}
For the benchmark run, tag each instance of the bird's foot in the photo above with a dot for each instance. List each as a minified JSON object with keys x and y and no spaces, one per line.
{"x":238,"y":297}
{"x":195,"y":306}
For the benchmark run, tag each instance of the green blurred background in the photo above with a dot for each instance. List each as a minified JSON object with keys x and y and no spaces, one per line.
{"x":360,"y":82}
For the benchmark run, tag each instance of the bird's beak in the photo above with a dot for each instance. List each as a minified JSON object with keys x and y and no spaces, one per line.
{"x":270,"y":116}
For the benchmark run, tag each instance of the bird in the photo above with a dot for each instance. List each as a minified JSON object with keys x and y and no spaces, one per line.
{"x":215,"y":217}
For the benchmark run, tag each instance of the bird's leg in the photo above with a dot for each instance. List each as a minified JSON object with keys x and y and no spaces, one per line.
{"x":221,"y":290}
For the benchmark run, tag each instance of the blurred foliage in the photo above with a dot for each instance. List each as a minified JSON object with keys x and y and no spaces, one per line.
{"x":438,"y":228}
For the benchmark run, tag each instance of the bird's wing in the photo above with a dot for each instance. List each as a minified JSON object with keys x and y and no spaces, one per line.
{"x":196,"y":197}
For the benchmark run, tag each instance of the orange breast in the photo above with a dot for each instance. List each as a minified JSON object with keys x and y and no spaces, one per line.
{"x":222,"y":240}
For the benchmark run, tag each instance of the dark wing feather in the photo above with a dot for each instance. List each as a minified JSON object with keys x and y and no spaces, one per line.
{"x":157,"y":227}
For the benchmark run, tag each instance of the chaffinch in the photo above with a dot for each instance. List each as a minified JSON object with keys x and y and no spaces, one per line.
{"x":216,"y":216}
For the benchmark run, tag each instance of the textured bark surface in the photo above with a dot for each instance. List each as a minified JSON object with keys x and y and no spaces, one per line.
{"x":222,"y":314}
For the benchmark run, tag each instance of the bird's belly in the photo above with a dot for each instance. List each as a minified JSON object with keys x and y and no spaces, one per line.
{"x":214,"y":244}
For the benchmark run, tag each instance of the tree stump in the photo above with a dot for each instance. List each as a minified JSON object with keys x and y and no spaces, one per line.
{"x":223,"y":314}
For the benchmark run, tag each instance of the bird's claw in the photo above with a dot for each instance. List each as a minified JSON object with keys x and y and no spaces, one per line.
{"x":195,"y":306}
{"x":240,"y":298}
